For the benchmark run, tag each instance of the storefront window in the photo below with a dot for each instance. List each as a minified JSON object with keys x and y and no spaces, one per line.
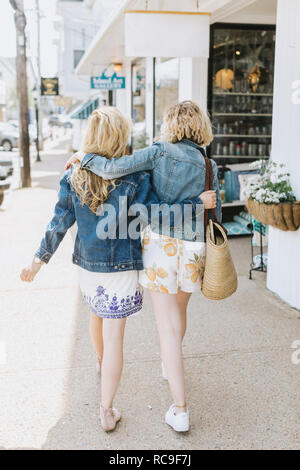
{"x":139,"y":135}
{"x":241,"y":98}
{"x":166,"y":88}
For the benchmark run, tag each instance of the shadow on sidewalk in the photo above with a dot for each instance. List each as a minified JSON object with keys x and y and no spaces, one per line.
{"x":81,"y":393}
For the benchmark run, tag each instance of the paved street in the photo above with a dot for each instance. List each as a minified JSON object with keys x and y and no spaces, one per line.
{"x":243,"y":389}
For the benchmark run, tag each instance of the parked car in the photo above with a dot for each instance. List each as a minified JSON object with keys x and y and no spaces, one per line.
{"x":32,"y":130}
{"x":60,"y":120}
{"x":9,"y":136}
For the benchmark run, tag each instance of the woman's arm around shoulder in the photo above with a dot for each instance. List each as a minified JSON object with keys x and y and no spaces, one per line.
{"x":150,"y":205}
{"x":141,"y":160}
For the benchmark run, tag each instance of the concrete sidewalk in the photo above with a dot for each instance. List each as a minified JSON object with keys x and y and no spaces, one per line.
{"x":243,"y":390}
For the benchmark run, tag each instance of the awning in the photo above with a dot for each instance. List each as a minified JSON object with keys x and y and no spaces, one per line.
{"x":86,"y":109}
{"x":108,"y":45}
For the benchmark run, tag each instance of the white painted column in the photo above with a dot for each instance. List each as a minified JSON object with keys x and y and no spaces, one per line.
{"x":123,"y":97}
{"x":193,"y":77}
{"x":149,"y":99}
{"x":284,"y":247}
{"x":128,"y":89}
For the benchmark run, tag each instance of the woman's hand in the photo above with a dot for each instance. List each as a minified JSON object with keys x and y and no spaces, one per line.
{"x":209,"y":199}
{"x":28,"y":274}
{"x":76,"y":158}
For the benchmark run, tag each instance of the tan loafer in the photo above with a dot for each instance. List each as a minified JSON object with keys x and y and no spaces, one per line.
{"x":109,"y":418}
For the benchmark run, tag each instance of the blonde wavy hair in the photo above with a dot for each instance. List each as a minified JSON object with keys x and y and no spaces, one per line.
{"x":107,"y":134}
{"x":186,"y":120}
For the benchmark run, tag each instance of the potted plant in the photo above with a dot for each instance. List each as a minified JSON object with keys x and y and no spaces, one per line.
{"x":271,"y":199}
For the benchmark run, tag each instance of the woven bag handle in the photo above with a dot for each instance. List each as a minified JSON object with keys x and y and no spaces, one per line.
{"x":221,"y":229}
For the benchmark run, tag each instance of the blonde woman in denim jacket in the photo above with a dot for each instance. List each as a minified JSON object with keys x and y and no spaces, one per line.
{"x":107,"y":252}
{"x":173,"y":263}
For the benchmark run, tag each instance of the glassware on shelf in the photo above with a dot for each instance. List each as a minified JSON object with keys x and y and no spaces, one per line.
{"x":222,"y":190}
{"x":231,"y":147}
{"x":262,"y":150}
{"x":218,"y":149}
{"x":244,"y":149}
{"x":238,"y":150}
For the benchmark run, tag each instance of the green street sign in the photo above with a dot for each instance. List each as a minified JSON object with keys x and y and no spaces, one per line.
{"x":108,"y":83}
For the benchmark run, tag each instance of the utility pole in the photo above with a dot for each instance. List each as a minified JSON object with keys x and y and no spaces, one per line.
{"x":24,"y":143}
{"x":38,"y":86}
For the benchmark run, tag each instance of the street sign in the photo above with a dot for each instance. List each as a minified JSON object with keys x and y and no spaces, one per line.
{"x":108,"y":83}
{"x":49,"y":86}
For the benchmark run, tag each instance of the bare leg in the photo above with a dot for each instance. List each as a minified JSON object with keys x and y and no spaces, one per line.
{"x":169,"y":324}
{"x":112,"y":363}
{"x":96,"y":335}
{"x":183,"y":300}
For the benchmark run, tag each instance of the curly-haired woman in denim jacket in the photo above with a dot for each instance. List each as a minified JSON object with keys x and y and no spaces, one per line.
{"x":173,"y":266}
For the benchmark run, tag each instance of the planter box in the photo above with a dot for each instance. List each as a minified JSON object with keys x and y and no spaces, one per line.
{"x":284,"y":216}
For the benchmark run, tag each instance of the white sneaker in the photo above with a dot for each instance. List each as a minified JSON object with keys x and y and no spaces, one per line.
{"x":163,"y":372}
{"x":180,"y":422}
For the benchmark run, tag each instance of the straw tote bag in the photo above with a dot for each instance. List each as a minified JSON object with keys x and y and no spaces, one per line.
{"x":220,"y":277}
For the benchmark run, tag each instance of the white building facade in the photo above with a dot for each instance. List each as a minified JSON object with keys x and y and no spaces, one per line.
{"x":76,"y":29}
{"x":153,"y":82}
{"x":7,"y":82}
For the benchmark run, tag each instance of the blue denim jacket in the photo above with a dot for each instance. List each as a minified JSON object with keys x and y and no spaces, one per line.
{"x":94,"y":251}
{"x":178,"y":172}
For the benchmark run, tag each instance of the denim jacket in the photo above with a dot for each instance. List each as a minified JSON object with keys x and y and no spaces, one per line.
{"x":101,"y":245}
{"x":178,"y":172}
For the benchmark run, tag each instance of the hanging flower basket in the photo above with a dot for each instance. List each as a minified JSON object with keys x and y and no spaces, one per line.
{"x":284,"y":216}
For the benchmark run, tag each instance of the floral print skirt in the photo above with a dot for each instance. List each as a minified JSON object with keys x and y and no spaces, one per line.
{"x":171,"y":265}
{"x":111,"y":295}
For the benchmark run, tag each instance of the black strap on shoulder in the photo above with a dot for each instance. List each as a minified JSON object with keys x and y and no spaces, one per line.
{"x":203,"y":151}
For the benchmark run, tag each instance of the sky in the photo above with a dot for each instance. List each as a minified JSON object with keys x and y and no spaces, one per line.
{"x":8,"y":35}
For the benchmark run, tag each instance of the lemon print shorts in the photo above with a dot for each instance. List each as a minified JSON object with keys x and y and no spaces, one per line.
{"x":171,"y":265}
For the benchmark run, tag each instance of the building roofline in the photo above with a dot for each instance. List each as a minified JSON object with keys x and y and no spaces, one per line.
{"x":102,"y":33}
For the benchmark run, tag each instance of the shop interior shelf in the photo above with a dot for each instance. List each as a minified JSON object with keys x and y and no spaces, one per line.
{"x":243,"y":114}
{"x":244,"y":136}
{"x":248,"y":78}
{"x":233,"y":204}
{"x":242,"y":94}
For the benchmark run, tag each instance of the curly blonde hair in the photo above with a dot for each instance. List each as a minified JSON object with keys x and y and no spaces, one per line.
{"x":186,"y":120}
{"x":107,"y":135}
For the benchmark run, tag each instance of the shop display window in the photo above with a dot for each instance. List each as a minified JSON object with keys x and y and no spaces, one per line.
{"x":140,"y":139}
{"x":166,"y":88}
{"x":241,"y":91}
